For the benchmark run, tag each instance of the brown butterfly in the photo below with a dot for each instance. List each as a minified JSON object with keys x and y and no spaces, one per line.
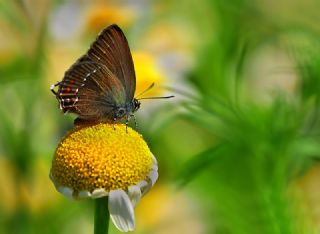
{"x":100,"y":85}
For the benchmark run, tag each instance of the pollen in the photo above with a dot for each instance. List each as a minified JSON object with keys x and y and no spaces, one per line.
{"x":101,"y":156}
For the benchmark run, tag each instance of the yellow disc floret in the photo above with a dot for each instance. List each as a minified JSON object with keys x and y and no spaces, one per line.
{"x":101,"y":157}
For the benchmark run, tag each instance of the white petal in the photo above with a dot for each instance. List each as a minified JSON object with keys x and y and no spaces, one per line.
{"x":84,"y":194}
{"x":147,"y":187}
{"x":99,"y":193}
{"x":154,"y":160}
{"x":134,"y":193}
{"x":121,"y":210}
{"x":66,"y":191}
{"x":142,"y":184}
{"x":153,"y":175}
{"x":154,"y":167}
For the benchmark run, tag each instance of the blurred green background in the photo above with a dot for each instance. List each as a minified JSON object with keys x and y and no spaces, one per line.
{"x":238,"y":148}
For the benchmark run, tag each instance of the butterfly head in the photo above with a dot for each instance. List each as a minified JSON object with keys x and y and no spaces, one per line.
{"x":135,"y":105}
{"x":127,"y":110}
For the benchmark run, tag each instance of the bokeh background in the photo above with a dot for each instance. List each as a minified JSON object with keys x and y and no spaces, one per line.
{"x":238,"y":147}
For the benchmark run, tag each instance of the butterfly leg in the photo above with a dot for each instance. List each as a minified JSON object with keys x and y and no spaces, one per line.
{"x":114,"y":120}
{"x":127,"y":123}
{"x":135,"y":120}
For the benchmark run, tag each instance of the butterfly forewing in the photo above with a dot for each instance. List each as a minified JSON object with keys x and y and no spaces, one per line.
{"x":111,"y":49}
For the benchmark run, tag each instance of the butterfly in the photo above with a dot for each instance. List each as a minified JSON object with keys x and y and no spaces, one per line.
{"x":100,"y":85}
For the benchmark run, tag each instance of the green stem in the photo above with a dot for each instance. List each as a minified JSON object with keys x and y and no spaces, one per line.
{"x":101,"y":216}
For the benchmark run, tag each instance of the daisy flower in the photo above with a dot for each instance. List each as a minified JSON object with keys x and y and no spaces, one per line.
{"x":105,"y":161}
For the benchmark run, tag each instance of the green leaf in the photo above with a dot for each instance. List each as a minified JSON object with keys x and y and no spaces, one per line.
{"x":199,"y":163}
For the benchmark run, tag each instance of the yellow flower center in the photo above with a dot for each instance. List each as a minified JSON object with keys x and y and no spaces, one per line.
{"x":100,"y":156}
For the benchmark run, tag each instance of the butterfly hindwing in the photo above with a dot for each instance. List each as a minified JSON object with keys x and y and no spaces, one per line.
{"x":83,"y":92}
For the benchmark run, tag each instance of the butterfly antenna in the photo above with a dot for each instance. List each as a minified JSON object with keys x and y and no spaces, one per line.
{"x":164,"y":97}
{"x":146,"y":90}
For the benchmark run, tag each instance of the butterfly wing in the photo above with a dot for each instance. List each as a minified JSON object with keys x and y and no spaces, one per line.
{"x":111,"y":49}
{"x":82,"y":91}
{"x":101,"y":80}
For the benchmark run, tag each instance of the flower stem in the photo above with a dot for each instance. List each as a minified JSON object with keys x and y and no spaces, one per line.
{"x":101,"y":216}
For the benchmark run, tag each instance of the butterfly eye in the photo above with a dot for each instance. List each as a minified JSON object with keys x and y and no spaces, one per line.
{"x":121,"y":112}
{"x":136,"y":104}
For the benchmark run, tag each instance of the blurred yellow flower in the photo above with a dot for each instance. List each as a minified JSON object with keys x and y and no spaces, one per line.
{"x":105,"y":160}
{"x":25,"y":191}
{"x":9,"y":200}
{"x":147,"y":72}
{"x":9,"y":43}
{"x":174,"y":43}
{"x":101,"y":15}
{"x":306,"y":193}
{"x":170,"y":36}
{"x":59,"y":59}
{"x":32,"y":189}
{"x":175,"y":213}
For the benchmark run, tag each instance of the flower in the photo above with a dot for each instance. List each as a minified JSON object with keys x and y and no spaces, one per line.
{"x":147,"y":72}
{"x":178,"y":211}
{"x":105,"y":160}
{"x":102,"y":14}
{"x":24,"y":190}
